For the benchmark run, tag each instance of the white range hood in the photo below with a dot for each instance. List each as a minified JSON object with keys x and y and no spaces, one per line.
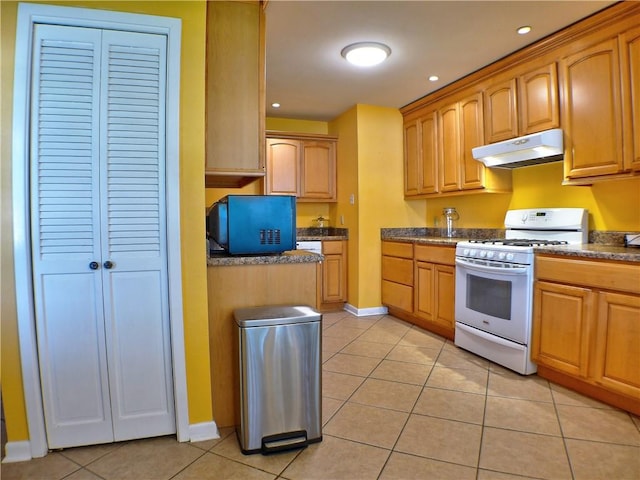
{"x":542,"y":147}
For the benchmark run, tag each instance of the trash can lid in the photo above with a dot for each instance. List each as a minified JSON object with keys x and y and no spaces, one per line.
{"x":275,"y":315}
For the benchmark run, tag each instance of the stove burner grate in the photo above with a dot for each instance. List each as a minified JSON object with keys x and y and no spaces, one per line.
{"x":519,"y":242}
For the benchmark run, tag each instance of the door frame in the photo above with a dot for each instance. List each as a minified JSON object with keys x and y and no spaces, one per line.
{"x":28,"y":15}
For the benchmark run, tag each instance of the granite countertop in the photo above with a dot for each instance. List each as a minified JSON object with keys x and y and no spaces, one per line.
{"x":327,"y":233}
{"x":427,"y":240}
{"x":291,"y":256}
{"x":594,"y":250}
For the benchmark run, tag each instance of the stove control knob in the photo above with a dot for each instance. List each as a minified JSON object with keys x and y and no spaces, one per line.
{"x":465,"y":252}
{"x":501,"y":255}
{"x":483,"y":254}
{"x":490,"y":254}
{"x":510,"y":256}
{"x":472,"y":252}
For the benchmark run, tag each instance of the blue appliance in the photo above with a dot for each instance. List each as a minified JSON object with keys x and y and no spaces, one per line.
{"x":253,"y":224}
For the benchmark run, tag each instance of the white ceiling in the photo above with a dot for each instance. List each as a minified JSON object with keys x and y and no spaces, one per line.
{"x":309,"y":78}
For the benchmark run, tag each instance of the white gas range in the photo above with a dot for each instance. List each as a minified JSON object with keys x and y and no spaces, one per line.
{"x":494,"y":283}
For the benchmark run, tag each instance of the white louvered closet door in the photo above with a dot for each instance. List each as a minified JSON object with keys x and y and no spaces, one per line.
{"x":99,"y":234}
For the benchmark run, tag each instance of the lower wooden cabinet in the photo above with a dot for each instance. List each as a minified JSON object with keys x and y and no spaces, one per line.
{"x":586,"y":327}
{"x":418,"y":285}
{"x":434,"y":289}
{"x":333,"y":275}
{"x":397,"y":278}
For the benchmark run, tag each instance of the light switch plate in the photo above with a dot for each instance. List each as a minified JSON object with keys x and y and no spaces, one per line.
{"x":632,"y":239}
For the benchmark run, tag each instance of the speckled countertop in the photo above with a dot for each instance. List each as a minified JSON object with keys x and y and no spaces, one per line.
{"x":292,"y":256}
{"x":329,"y":233}
{"x":594,"y":250}
{"x":604,"y":246}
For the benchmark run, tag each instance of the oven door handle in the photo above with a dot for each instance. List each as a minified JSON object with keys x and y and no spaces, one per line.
{"x":487,"y":336}
{"x":486,"y":268}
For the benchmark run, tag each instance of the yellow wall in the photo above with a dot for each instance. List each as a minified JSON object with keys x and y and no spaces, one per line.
{"x":612,"y":205}
{"x":194,"y":279}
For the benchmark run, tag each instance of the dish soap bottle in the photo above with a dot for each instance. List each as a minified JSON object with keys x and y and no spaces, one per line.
{"x":449,"y":222}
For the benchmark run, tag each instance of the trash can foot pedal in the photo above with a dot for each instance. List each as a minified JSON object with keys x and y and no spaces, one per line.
{"x":284,"y":441}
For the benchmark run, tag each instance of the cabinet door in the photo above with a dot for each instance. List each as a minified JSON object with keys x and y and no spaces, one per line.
{"x":631,"y":97}
{"x":428,"y":161}
{"x":333,"y":279}
{"x":420,"y":156}
{"x":334,"y":275}
{"x":500,"y":114}
{"x":471,"y":135}
{"x":411,"y":159}
{"x":562,"y":327}
{"x":235,"y":105}
{"x":449,"y":148}
{"x":283,"y":161}
{"x":318,"y":170}
{"x":617,"y":352}
{"x":424,"y":292}
{"x":444,"y":291}
{"x":591,"y":113}
{"x":538,"y":100}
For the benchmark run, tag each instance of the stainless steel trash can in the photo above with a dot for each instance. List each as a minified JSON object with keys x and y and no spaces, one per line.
{"x":280,"y":397}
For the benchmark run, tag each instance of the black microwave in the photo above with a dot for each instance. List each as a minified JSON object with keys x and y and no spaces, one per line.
{"x":253,"y":224}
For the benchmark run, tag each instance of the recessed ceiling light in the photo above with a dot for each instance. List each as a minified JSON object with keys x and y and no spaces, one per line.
{"x":366,"y":54}
{"x":275,"y":105}
{"x":523,"y":30}
{"x":434,"y":78}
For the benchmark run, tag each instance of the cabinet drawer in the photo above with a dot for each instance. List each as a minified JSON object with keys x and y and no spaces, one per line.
{"x":396,"y":295}
{"x":622,"y":277}
{"x":330,"y":247}
{"x":397,"y":270}
{"x":428,"y":253}
{"x":397,"y":249}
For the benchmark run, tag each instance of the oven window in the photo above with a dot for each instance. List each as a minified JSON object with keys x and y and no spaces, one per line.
{"x":488,"y":296}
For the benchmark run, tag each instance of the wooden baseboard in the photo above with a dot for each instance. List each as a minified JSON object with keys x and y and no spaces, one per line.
{"x":616,"y":400}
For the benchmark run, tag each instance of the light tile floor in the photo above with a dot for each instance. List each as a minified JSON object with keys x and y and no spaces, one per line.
{"x":398,"y":403}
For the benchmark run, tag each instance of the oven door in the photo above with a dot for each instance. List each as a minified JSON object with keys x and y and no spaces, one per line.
{"x":494,"y":299}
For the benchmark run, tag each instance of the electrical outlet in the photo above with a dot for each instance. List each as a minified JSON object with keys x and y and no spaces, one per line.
{"x":632,"y":239}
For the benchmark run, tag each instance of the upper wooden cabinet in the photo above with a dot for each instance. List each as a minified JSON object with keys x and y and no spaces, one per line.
{"x":438,"y":159}
{"x":631,"y":96}
{"x":522,"y":104}
{"x":302,"y":165}
{"x":592,"y":111}
{"x":421,"y":155}
{"x":235,"y":93}
{"x":583,"y":79}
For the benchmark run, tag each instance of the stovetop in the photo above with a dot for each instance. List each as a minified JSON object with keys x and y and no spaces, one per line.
{"x":519,"y":242}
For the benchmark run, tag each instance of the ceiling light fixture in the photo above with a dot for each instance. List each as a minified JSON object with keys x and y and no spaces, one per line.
{"x":275,"y":105}
{"x":434,"y":78}
{"x":366,"y":54}
{"x":523,"y":30}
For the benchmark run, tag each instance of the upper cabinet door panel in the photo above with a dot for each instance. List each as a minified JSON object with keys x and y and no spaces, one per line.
{"x":318,"y":170}
{"x":471,"y":136}
{"x":538,"y":100}
{"x":235,"y":93}
{"x":501,"y":119}
{"x":591,"y":113}
{"x":429,"y":153}
{"x":631,"y":97}
{"x":411,"y":155}
{"x":449,"y":148}
{"x":282,"y":166}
